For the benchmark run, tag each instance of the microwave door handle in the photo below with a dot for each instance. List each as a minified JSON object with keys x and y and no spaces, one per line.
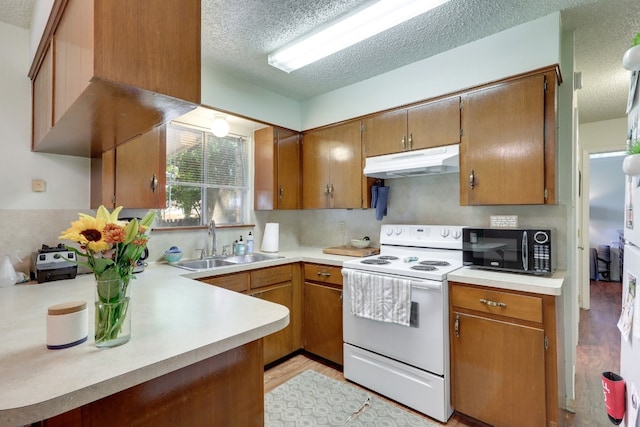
{"x":525,"y":252}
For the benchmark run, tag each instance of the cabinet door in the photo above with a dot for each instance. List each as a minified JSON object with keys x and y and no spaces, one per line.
{"x":278,"y":344}
{"x":140,"y":171}
{"x":316,"y":158}
{"x":43,"y":98}
{"x":498,"y":371}
{"x":323,"y":321}
{"x":503,"y":150}
{"x":385,"y":133}
{"x":266,"y":174}
{"x":103,"y":180}
{"x":345,"y":186}
{"x":74,"y":53}
{"x":289,"y":179}
{"x":434,"y":124}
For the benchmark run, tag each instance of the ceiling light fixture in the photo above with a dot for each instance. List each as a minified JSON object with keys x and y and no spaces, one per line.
{"x":220,"y":127}
{"x":352,"y":28}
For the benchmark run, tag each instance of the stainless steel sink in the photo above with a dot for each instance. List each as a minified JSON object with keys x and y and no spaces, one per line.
{"x":243,"y":259}
{"x":218,"y":261}
{"x":203,"y":264}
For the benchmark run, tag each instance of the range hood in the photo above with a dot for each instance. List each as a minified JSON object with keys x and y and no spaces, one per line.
{"x":429,"y":161}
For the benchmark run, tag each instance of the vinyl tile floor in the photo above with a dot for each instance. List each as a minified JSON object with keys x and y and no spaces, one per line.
{"x":598,"y":351}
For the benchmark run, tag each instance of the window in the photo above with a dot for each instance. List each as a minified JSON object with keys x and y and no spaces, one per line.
{"x":206,"y":177}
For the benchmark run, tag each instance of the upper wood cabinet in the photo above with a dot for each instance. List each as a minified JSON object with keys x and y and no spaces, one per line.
{"x":332,"y":166}
{"x":106,"y":72}
{"x":507,"y":155}
{"x":132,"y":174}
{"x":427,"y":125}
{"x":278,"y":179}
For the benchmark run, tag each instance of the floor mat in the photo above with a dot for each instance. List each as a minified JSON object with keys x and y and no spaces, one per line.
{"x":313,"y":399}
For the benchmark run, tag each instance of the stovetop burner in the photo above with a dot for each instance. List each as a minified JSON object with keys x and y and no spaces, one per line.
{"x":388,"y":257}
{"x":422,"y":267}
{"x":435,"y":263}
{"x":375,"y":261}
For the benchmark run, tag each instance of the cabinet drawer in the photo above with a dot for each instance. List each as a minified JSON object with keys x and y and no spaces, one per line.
{"x":508,"y":304}
{"x":271,"y":276}
{"x":323,"y":274}
{"x":235,"y":282}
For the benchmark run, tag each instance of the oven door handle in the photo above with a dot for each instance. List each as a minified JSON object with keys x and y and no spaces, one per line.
{"x":426,"y":285}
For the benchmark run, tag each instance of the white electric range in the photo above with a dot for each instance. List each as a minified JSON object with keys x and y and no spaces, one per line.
{"x":409,"y":364}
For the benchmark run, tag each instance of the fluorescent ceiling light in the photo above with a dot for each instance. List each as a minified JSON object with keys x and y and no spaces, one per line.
{"x":352,"y":28}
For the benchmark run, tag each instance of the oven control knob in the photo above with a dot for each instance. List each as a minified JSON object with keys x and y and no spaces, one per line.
{"x":398,"y":231}
{"x":444,"y":232}
{"x":388,"y":231}
{"x":456,"y":234}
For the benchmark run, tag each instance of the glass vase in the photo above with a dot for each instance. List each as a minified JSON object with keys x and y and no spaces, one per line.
{"x":113,"y":313}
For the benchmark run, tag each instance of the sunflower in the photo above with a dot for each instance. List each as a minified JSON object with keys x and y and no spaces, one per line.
{"x":87,"y":231}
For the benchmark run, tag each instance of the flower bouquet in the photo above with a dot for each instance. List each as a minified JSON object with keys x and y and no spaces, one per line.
{"x":110,"y":249}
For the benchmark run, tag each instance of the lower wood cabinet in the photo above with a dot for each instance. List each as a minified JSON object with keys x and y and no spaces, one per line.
{"x":323,"y":311}
{"x":280,"y":285}
{"x":503,"y":356}
{"x":224,"y":390}
{"x":315,"y":306}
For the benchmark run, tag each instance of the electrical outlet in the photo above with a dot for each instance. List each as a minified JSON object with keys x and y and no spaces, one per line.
{"x":341,"y":227}
{"x":38,"y":185}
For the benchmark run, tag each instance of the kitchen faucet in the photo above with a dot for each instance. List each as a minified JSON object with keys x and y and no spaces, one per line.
{"x":212,"y":233}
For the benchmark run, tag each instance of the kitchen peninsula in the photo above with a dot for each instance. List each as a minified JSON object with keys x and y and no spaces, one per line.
{"x":195,"y":356}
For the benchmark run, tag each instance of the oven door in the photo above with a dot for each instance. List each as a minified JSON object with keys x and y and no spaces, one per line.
{"x":422,"y":344}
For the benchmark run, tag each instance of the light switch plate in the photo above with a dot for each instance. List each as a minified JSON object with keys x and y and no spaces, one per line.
{"x":38,"y":185}
{"x":503,"y":221}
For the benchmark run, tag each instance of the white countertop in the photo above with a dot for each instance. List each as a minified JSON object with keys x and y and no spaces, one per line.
{"x":175,"y":322}
{"x":546,"y":285}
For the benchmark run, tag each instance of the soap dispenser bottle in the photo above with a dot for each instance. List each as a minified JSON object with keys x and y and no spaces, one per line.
{"x":240,"y":247}
{"x":250,"y":243}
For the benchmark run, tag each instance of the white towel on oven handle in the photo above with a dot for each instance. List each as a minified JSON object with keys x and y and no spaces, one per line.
{"x":378,"y":297}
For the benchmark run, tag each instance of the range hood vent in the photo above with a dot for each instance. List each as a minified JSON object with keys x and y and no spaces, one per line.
{"x":429,"y":161}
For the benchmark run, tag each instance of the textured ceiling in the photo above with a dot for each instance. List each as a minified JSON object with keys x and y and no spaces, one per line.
{"x":237,"y":36}
{"x":16,"y":12}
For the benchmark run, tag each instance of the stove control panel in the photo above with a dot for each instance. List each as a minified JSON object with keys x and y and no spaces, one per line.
{"x":438,"y":236}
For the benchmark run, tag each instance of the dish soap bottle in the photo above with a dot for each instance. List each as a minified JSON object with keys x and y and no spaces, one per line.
{"x":240,"y":247}
{"x":8,"y":276}
{"x":250,"y":243}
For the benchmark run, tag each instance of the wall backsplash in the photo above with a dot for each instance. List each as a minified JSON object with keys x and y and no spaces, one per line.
{"x":419,"y":200}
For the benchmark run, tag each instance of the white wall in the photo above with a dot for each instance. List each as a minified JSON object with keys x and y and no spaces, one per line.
{"x":606,"y":200}
{"x":67,"y":178}
{"x":228,"y":93}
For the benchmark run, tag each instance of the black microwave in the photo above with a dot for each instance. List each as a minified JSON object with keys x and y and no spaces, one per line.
{"x":508,"y":249}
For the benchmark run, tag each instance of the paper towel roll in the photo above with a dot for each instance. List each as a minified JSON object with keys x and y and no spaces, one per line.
{"x":270,"y":238}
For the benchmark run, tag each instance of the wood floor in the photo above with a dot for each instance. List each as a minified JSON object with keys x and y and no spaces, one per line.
{"x":598,"y":351}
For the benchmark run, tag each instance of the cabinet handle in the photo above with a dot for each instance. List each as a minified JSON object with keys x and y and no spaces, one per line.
{"x":404,"y":143}
{"x":456,"y":326}
{"x":323,"y":273}
{"x":472,"y":179}
{"x":281,"y":192}
{"x":326,"y":190}
{"x":411,"y":141}
{"x":154,"y":183}
{"x":492,"y":303}
{"x":331,"y":191}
